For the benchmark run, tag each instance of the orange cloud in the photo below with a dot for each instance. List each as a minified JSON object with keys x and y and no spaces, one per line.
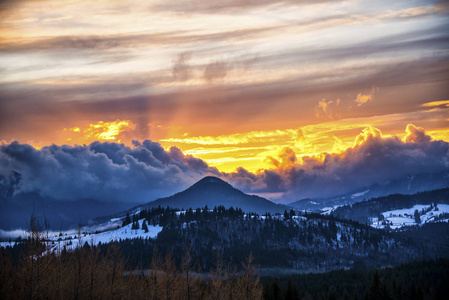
{"x":236,"y":139}
{"x":287,"y":158}
{"x":338,"y":146}
{"x":364,"y":98}
{"x":107,"y":130}
{"x":251,"y":149}
{"x":374,"y":158}
{"x":367,"y":134}
{"x":436,"y":103}
{"x":101,"y":131}
{"x":326,"y":109}
{"x":415,"y":135}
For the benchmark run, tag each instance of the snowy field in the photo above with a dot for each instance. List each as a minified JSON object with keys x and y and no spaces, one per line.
{"x":72,"y":241}
{"x":405,"y":217}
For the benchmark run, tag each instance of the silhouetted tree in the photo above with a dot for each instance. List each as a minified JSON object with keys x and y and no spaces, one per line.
{"x":292,"y":213}
{"x":135,"y":224}
{"x":374,"y":290}
{"x":417,"y":217}
{"x":145,"y":226}
{"x":127,"y":220}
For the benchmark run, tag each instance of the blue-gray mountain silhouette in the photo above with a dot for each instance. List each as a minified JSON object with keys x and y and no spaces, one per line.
{"x":213,"y":191}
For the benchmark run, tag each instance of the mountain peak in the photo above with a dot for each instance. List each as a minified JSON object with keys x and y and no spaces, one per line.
{"x":211,"y":179}
{"x":213,"y":191}
{"x":212,"y":183}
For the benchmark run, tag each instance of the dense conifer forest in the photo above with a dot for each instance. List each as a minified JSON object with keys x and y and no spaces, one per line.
{"x":421,"y":280}
{"x":29,"y":272}
{"x":87,"y":273}
{"x":307,"y":242}
{"x":219,"y":253}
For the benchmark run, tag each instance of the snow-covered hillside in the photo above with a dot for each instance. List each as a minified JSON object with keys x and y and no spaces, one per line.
{"x":406,"y":216}
{"x":72,"y":241}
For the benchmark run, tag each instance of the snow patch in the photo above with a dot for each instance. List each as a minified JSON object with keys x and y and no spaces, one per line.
{"x":405,"y":217}
{"x":72,"y":241}
{"x":359,"y":194}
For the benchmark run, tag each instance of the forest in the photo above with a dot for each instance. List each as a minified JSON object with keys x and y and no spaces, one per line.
{"x":417,"y":280}
{"x":219,"y":253}
{"x":88,"y":273}
{"x":29,"y":272}
{"x":307,"y":243}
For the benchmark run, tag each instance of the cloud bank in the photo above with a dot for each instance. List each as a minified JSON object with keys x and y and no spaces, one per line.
{"x":101,"y":171}
{"x":373,"y":159}
{"x":118,"y":173}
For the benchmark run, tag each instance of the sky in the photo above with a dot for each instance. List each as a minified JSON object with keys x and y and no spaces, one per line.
{"x":286,"y":99}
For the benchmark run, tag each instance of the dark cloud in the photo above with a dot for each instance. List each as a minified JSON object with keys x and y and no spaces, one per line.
{"x":215,"y":71}
{"x":117,"y":173}
{"x":374,"y":160}
{"x":7,"y":5}
{"x":181,"y":68}
{"x":108,"y":172}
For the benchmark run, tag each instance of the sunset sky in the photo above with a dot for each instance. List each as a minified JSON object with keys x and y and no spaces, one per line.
{"x":243,"y":89}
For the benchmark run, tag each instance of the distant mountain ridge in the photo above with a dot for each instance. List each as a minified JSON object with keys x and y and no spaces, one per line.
{"x":213,"y":191}
{"x":16,"y":207}
{"x":362,"y":211}
{"x":407,"y":185}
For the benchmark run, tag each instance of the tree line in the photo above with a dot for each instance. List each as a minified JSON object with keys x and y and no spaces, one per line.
{"x":87,"y":272}
{"x":420,"y":280}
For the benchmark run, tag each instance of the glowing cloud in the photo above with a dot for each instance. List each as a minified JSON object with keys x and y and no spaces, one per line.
{"x":374,"y":158}
{"x":287,"y":158}
{"x":108,"y":130}
{"x":436,"y":103}
{"x":235,"y":139}
{"x":101,"y":131}
{"x":326,"y":109}
{"x":369,"y":133}
{"x":115,"y":172}
{"x":415,"y":135}
{"x":364,"y":98}
{"x":251,"y":149}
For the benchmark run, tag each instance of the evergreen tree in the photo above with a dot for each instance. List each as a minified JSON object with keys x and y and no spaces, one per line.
{"x":135,"y":224}
{"x":384,"y":290}
{"x":276,"y":289}
{"x":291,"y":293}
{"x":145,"y":226}
{"x":267,"y":291}
{"x":417,"y":217}
{"x":332,"y":294}
{"x":127,"y":220}
{"x":374,"y":291}
{"x":292,"y":213}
